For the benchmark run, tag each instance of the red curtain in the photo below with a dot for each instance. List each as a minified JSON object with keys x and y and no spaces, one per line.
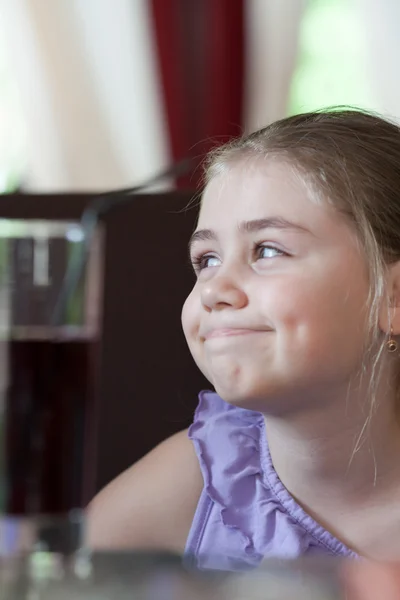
{"x":200,"y":48}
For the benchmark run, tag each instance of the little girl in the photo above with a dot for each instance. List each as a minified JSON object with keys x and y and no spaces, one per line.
{"x":293,"y":319}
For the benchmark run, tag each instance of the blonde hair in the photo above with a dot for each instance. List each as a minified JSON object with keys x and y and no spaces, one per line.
{"x":351,"y":159}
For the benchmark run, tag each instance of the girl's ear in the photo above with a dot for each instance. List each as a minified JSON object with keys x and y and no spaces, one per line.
{"x":389,"y":317}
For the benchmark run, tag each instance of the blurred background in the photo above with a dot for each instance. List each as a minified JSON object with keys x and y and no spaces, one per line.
{"x":101,"y":94}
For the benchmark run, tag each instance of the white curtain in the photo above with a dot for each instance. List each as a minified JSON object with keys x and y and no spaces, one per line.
{"x":272,"y":42}
{"x":87,"y":75}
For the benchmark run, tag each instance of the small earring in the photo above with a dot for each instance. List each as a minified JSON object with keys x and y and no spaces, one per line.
{"x":391,"y":344}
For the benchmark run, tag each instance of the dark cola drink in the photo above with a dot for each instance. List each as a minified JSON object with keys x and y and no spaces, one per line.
{"x":48,"y":372}
{"x":48,"y":415}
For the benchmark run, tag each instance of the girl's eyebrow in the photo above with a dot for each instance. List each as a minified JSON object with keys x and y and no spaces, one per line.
{"x":250,"y":227}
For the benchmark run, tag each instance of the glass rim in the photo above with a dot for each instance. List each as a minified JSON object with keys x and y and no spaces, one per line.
{"x":41,"y":228}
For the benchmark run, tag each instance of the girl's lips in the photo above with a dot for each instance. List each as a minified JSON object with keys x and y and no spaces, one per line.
{"x":232,"y":331}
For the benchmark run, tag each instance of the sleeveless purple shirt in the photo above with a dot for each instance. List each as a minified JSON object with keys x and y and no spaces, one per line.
{"x":245,"y":513}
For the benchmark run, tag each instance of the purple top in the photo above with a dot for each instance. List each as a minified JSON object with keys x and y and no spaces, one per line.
{"x":245,"y":513}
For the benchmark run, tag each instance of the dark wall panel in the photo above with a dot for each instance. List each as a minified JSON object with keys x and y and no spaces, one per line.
{"x":148,"y":382}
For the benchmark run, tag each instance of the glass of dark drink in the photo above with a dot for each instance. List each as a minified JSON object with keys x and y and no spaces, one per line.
{"x":49,"y":338}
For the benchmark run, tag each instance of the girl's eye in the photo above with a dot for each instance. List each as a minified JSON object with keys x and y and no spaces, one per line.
{"x":205,"y":262}
{"x":266,"y":251}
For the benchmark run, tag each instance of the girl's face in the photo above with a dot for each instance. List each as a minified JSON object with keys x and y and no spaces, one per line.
{"x":278,"y":313}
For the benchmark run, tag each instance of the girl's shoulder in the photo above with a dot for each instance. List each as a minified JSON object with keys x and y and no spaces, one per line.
{"x":151,"y":505}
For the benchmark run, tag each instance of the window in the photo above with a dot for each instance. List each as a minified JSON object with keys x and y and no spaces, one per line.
{"x":332,"y":59}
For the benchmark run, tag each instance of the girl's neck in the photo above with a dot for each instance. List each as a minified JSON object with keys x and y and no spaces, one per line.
{"x":341,"y":463}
